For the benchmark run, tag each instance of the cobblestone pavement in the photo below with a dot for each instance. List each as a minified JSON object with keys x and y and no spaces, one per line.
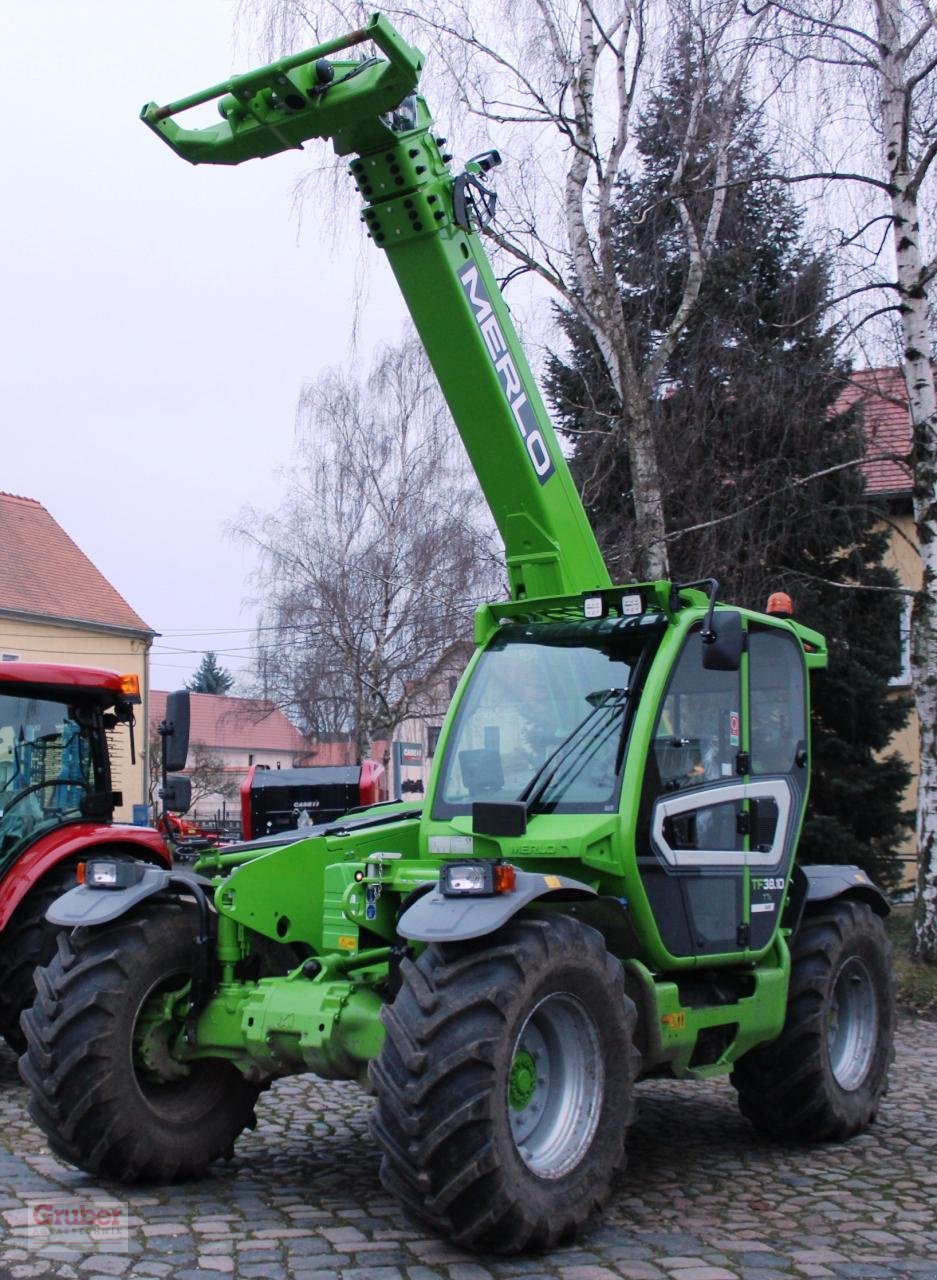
{"x":704,"y":1198}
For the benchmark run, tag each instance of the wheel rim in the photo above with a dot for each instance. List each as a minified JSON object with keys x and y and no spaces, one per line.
{"x":177,"y":1093}
{"x":555,"y":1086}
{"x":153,"y":1031}
{"x":852,"y":1030}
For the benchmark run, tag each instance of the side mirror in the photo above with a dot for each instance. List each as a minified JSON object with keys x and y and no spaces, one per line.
{"x":177,"y":794}
{"x":174,"y":731}
{"x":722,"y":651}
{"x":504,"y":818}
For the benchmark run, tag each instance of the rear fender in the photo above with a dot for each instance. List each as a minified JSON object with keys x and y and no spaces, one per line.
{"x":437,"y":918}
{"x":814,"y":886}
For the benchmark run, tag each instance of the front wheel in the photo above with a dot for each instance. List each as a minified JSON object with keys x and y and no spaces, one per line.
{"x":505,"y":1085}
{"x":104,"y":1086}
{"x":824,"y":1077}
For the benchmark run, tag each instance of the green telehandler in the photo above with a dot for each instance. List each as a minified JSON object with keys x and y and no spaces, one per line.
{"x":600,"y":884}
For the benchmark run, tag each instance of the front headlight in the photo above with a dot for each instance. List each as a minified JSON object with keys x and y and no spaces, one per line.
{"x":101,"y":873}
{"x":476,"y":879}
{"x":466,"y":878}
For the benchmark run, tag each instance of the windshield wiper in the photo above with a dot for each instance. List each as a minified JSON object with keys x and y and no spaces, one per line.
{"x":611,"y":701}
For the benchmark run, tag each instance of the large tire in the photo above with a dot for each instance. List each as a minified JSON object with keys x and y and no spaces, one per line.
{"x":27,"y":942}
{"x":97,"y":1109}
{"x":505,"y":1085}
{"x":823,"y":1078}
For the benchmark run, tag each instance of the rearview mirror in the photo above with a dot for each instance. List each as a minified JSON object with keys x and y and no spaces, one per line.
{"x":723,"y":651}
{"x":177,"y":794}
{"x":174,"y":730}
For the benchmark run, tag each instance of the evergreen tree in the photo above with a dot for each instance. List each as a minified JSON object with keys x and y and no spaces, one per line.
{"x":745,"y":414}
{"x":210,"y":676}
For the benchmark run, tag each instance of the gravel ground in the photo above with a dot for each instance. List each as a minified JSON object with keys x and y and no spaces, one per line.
{"x":704,"y":1198}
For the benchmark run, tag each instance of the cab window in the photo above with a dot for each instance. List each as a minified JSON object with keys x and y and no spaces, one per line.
{"x":778,"y":712}
{"x":697,"y":737}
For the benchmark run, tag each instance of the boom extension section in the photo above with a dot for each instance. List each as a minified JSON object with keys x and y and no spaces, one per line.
{"x":280,"y":106}
{"x":428,"y":222}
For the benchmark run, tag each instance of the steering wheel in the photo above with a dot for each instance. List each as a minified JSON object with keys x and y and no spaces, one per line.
{"x":38,"y":786}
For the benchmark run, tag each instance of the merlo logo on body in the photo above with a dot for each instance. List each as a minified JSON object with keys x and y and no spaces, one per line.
{"x":507,"y":371}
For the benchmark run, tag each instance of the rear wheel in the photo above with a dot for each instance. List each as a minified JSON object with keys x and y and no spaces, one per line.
{"x":27,"y":942}
{"x":824,"y":1077}
{"x":105,"y":1088}
{"x":505,"y":1085}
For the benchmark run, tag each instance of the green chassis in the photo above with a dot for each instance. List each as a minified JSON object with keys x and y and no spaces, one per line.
{"x":337,"y":901}
{"x":318,"y":895}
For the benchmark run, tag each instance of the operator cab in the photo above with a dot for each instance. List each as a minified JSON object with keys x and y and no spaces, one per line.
{"x":54,"y":762}
{"x":678,"y":737}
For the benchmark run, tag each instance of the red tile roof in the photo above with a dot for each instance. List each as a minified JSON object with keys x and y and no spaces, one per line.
{"x":882,"y":398}
{"x":337,"y":752}
{"x":242,"y":724}
{"x":43,"y":572}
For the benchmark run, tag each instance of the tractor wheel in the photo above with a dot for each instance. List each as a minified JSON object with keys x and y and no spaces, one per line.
{"x":100,"y":1107}
{"x":823,"y":1078}
{"x":27,"y":942}
{"x":505,"y":1084}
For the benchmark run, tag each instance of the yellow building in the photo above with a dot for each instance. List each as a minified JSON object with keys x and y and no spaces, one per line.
{"x":881,"y":397}
{"x":55,"y":606}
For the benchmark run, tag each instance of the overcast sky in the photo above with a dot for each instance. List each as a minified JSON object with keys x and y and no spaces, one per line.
{"x":158,"y":319}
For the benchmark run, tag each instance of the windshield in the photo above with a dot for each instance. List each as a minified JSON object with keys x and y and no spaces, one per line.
{"x":543,"y":719}
{"x":46,"y":766}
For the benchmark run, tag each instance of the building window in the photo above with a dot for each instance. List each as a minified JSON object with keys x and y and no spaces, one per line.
{"x":11,"y":657}
{"x":903,"y":676}
{"x":432,"y":738}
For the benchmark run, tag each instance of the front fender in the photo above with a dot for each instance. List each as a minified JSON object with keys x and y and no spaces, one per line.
{"x":436,"y":918}
{"x":77,"y":841}
{"x":86,"y":906}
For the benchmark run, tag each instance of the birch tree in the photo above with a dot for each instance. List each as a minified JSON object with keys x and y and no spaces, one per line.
{"x":907,"y":67}
{"x":762,"y":480}
{"x":879,"y":59}
{"x":372,"y":565}
{"x":556,"y":85}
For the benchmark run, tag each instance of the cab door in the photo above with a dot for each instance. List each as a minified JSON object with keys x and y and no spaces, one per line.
{"x":778,"y":771}
{"x":723,"y":794}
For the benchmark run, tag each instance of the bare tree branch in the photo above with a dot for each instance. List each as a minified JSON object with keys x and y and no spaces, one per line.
{"x":797,"y":483}
{"x":372,"y":564}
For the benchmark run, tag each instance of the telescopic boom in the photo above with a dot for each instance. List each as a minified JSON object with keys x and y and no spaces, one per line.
{"x":428,"y":223}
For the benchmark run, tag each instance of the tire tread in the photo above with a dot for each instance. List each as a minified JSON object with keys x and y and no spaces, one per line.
{"x":90,"y":1115}
{"x":785,"y":1088}
{"x":433,"y":1082}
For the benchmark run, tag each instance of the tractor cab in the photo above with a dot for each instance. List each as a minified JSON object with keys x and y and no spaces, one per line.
{"x":54,"y":760}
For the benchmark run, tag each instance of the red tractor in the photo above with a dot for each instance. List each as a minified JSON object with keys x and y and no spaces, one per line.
{"x":56,"y":807}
